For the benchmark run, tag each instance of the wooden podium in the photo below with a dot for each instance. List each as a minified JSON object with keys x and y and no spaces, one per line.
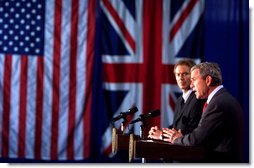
{"x":155,"y":149}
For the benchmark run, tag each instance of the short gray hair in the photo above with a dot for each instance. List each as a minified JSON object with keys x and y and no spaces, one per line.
{"x":209,"y":69}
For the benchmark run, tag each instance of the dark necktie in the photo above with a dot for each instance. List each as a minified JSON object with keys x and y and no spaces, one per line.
{"x":182,"y":102}
{"x":205,"y":106}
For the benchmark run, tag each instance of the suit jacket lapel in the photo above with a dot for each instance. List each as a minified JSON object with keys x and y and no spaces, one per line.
{"x":184,"y":106}
{"x":178,"y":108}
{"x":222,"y":90}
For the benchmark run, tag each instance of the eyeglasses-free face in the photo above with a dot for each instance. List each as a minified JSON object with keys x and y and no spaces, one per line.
{"x":183,"y":78}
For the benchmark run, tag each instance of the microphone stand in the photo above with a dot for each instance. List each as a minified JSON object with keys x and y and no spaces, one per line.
{"x":142,"y":136}
{"x":122,"y":125}
{"x":141,"y":131}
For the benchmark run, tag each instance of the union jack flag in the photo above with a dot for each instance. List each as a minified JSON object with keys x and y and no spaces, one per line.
{"x":46,"y":61}
{"x":140,"y":41}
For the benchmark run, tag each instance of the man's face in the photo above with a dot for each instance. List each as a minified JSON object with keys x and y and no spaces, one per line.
{"x":183,"y":78}
{"x":199,"y":85}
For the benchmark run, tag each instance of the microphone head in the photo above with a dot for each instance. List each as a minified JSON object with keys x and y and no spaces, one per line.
{"x":155,"y":113}
{"x":142,"y":117}
{"x":136,"y":120}
{"x":132,"y":110}
{"x":124,"y":114}
{"x":152,"y":114}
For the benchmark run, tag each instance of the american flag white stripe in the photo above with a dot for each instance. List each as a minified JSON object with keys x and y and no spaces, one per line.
{"x":81,"y":80}
{"x":64,"y":73}
{"x":14,"y":109}
{"x":30,"y":117}
{"x":47,"y":78}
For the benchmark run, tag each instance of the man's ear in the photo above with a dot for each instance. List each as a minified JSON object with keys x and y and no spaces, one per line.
{"x":208,"y":80}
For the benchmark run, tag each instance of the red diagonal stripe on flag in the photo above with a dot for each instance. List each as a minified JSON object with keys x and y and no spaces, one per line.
{"x":182,"y":18}
{"x":120,"y":23}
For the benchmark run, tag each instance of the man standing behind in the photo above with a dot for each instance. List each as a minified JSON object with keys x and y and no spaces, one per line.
{"x":220,"y":127}
{"x":188,"y":109}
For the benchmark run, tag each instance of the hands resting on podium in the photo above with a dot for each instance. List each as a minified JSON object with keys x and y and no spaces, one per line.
{"x":165,"y":134}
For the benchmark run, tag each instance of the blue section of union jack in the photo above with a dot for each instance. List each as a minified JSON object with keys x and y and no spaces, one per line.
{"x":139,"y":47}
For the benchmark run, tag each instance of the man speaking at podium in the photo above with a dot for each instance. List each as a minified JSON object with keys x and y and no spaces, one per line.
{"x":188,"y":109}
{"x":220,"y":128}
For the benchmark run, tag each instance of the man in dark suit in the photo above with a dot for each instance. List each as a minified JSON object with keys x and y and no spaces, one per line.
{"x":220,"y":128}
{"x":188,"y":109}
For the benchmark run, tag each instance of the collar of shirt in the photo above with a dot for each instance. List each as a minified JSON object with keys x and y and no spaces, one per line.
{"x":213,"y":93}
{"x":186,"y":95}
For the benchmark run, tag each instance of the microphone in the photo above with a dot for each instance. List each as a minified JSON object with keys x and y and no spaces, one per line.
{"x":142,"y":117}
{"x":124,"y":114}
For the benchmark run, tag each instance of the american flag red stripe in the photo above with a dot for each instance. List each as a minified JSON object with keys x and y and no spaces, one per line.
{"x":87,"y":130}
{"x":39,"y":108}
{"x":73,"y":79}
{"x":23,"y":106}
{"x":56,"y":79}
{"x":6,"y":105}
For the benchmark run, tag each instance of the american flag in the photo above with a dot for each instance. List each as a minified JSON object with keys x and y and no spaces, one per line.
{"x":46,"y":61}
{"x":140,"y":42}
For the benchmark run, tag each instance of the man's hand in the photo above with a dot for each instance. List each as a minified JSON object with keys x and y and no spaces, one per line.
{"x":171,"y":134}
{"x":155,"y":133}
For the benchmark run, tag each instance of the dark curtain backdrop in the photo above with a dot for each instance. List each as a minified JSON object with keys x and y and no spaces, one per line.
{"x":227,"y":43}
